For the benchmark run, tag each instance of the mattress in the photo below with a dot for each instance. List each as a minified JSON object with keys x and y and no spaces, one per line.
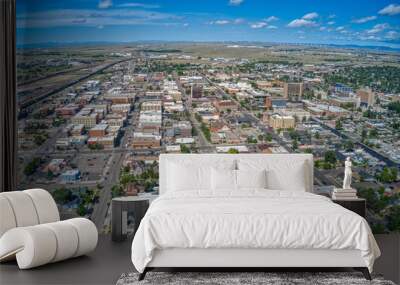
{"x":250,"y":219}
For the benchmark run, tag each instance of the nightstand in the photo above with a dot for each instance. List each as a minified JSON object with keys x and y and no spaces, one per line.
{"x":126,"y":214}
{"x":357,"y":205}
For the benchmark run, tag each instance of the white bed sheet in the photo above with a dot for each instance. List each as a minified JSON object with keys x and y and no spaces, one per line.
{"x":252,"y":218}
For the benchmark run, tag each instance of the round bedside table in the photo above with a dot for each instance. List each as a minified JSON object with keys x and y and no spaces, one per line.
{"x":126,"y":214}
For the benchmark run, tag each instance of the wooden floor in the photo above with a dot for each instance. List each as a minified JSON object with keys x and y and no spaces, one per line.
{"x":103,"y":266}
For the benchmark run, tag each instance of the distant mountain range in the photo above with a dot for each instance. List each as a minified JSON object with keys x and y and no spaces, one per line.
{"x":105,"y":43}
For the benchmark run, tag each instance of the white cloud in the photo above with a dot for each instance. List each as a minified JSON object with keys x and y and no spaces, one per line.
{"x":272,"y":27}
{"x":322,"y":28}
{"x":390,"y":10}
{"x":310,"y":16}
{"x":340,"y":28}
{"x":392,"y":35}
{"x":235,"y":2}
{"x":364,"y":19}
{"x":137,"y":5}
{"x":104,"y":4}
{"x":297,"y":23}
{"x":239,"y":21}
{"x":332,"y":16}
{"x":92,"y":18}
{"x":258,"y":25}
{"x":186,"y":24}
{"x":370,"y":38}
{"x":378,"y":28}
{"x":221,"y":22}
{"x":271,"y":19}
{"x":331,"y":23}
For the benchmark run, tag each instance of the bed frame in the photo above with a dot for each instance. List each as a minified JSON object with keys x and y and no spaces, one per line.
{"x":250,"y":259}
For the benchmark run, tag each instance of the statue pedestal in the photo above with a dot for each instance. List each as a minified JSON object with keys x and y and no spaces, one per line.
{"x":339,"y":193}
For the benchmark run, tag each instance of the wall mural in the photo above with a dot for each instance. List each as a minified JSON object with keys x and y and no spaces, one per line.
{"x":105,"y":86}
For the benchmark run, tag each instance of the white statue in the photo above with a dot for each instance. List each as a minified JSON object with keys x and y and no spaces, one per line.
{"x":347,"y":174}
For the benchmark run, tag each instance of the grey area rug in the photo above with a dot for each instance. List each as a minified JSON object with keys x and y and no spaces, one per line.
{"x":236,"y":278}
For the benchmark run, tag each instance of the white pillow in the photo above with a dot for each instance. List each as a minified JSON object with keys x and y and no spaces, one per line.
{"x":189,"y":175}
{"x":282,"y":174}
{"x":280,"y":180}
{"x":251,"y":178}
{"x":223,"y":179}
{"x":183,"y":177}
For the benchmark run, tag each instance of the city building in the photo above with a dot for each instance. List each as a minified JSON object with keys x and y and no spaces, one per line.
{"x":85,"y":117}
{"x":142,"y":141}
{"x":99,"y":130}
{"x":55,"y":165}
{"x":206,"y":117}
{"x":67,"y":111}
{"x":300,"y":114}
{"x":343,"y":89}
{"x":366,"y":97}
{"x":105,"y":141}
{"x":121,"y":108}
{"x":70,"y":176}
{"x":182,"y":129}
{"x":118,"y":96}
{"x":152,"y":106}
{"x":150,"y":118}
{"x":293,"y":91}
{"x":281,"y":122}
{"x":77,"y":130}
{"x":225,"y":105}
{"x":343,"y":101}
{"x":196,"y":91}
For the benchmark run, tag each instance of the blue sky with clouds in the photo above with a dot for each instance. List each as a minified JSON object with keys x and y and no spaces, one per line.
{"x":367,"y":22}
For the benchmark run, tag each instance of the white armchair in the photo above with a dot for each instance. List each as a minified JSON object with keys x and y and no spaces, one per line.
{"x":31,"y":230}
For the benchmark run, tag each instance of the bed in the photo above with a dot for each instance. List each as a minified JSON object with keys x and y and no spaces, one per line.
{"x":245,"y":211}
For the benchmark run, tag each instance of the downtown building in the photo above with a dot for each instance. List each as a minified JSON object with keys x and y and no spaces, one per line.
{"x":293,"y":91}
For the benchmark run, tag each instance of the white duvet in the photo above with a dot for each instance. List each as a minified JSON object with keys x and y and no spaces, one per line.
{"x":250,"y":219}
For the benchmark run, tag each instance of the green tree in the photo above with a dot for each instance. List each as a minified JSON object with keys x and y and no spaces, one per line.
{"x":251,"y":140}
{"x":348,"y":145}
{"x":394,"y":106}
{"x":62,"y":196}
{"x":363,"y":134}
{"x":32,"y":166}
{"x":184,"y":149}
{"x":295,"y":144}
{"x":387,"y":175}
{"x":116,"y":191}
{"x":81,"y":210}
{"x":268,"y":137}
{"x":233,"y":151}
{"x":373,"y":133}
{"x":330,"y":157}
{"x":338,"y":125}
{"x":206,"y":131}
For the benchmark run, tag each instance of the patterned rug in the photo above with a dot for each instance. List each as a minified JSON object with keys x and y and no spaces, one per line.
{"x":243,"y":278}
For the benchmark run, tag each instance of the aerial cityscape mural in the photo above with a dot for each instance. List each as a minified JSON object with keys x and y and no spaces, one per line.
{"x":105,"y":86}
